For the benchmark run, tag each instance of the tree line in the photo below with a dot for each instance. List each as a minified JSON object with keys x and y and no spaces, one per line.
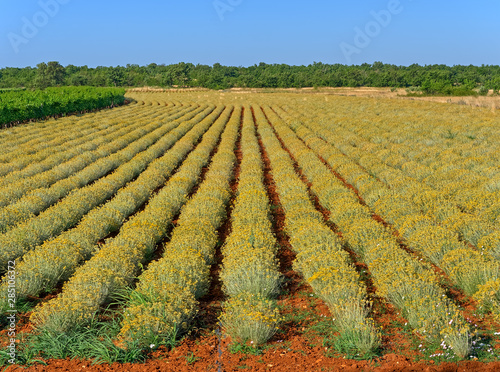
{"x":428,"y":79}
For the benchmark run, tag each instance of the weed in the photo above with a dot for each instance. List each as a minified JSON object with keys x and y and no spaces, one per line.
{"x":244,"y":348}
{"x":191,"y":358}
{"x":94,"y":341}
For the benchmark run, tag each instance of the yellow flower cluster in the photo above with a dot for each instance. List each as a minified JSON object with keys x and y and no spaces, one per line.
{"x":57,"y":259}
{"x":488,"y":297}
{"x":250,"y":267}
{"x":402,"y":205}
{"x":186,"y":261}
{"x":71,"y":209}
{"x":490,"y":245}
{"x":472,"y":270}
{"x":80,"y":170}
{"x":320,"y":257}
{"x":116,"y":264}
{"x":401,"y":278}
{"x":159,"y":315}
{"x":250,"y":316}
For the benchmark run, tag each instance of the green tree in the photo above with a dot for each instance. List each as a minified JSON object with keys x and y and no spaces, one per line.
{"x":49,"y":75}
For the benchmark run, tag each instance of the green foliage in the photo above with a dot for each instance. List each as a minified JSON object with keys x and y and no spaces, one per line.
{"x":20,"y":105}
{"x":455,"y":80}
{"x":49,"y":75}
{"x":483,"y":91}
{"x":93,"y":341}
{"x":244,"y":348}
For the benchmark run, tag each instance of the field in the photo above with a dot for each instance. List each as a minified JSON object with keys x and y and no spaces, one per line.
{"x":19,"y":105}
{"x":222,"y":231}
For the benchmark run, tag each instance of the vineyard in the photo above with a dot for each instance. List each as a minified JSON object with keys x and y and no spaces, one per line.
{"x":217,"y":231}
{"x":21,"y":105}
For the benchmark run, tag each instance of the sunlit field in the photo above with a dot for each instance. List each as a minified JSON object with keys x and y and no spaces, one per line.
{"x":227,"y":229}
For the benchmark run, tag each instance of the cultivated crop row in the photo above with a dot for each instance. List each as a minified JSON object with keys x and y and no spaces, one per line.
{"x":71,"y":209}
{"x":399,"y":277}
{"x":476,"y":273}
{"x":31,"y":138}
{"x":459,"y":170}
{"x":71,"y":133}
{"x":320,"y":257}
{"x":57,"y":259}
{"x":26,"y":104}
{"x":58,"y":166}
{"x":42,"y":191}
{"x":249,"y":273}
{"x":119,"y":260}
{"x":164,"y":302}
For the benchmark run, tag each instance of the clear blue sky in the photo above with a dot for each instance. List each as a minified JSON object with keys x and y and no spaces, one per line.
{"x":246,"y":32}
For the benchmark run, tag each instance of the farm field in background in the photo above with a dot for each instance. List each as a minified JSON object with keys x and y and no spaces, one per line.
{"x":19,"y":105}
{"x":201,"y":230}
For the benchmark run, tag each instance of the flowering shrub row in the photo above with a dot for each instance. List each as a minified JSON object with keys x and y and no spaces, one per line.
{"x":57,"y":259}
{"x":403,"y":280}
{"x":459,"y":160}
{"x":56,"y":160}
{"x":80,"y":171}
{"x":320,"y":257}
{"x":32,"y":137}
{"x":182,"y":275}
{"x":117,"y":262}
{"x":462,"y":201}
{"x":249,"y":273}
{"x":68,"y":135}
{"x":71,"y":209}
{"x":470,"y":270}
{"x":450,"y":148}
{"x":31,"y":166}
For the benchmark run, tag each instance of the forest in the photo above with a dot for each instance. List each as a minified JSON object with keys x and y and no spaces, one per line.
{"x":417,"y":79}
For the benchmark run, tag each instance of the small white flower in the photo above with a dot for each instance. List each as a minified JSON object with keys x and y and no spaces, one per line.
{"x":152,"y":346}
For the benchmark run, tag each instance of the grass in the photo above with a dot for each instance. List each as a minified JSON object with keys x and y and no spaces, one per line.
{"x":482,"y":349}
{"x":315,"y":327}
{"x":244,"y":348}
{"x":191,"y":358}
{"x":93,"y":341}
{"x":346,"y":343}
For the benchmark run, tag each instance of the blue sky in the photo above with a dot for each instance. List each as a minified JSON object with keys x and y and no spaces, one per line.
{"x":246,"y":32}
